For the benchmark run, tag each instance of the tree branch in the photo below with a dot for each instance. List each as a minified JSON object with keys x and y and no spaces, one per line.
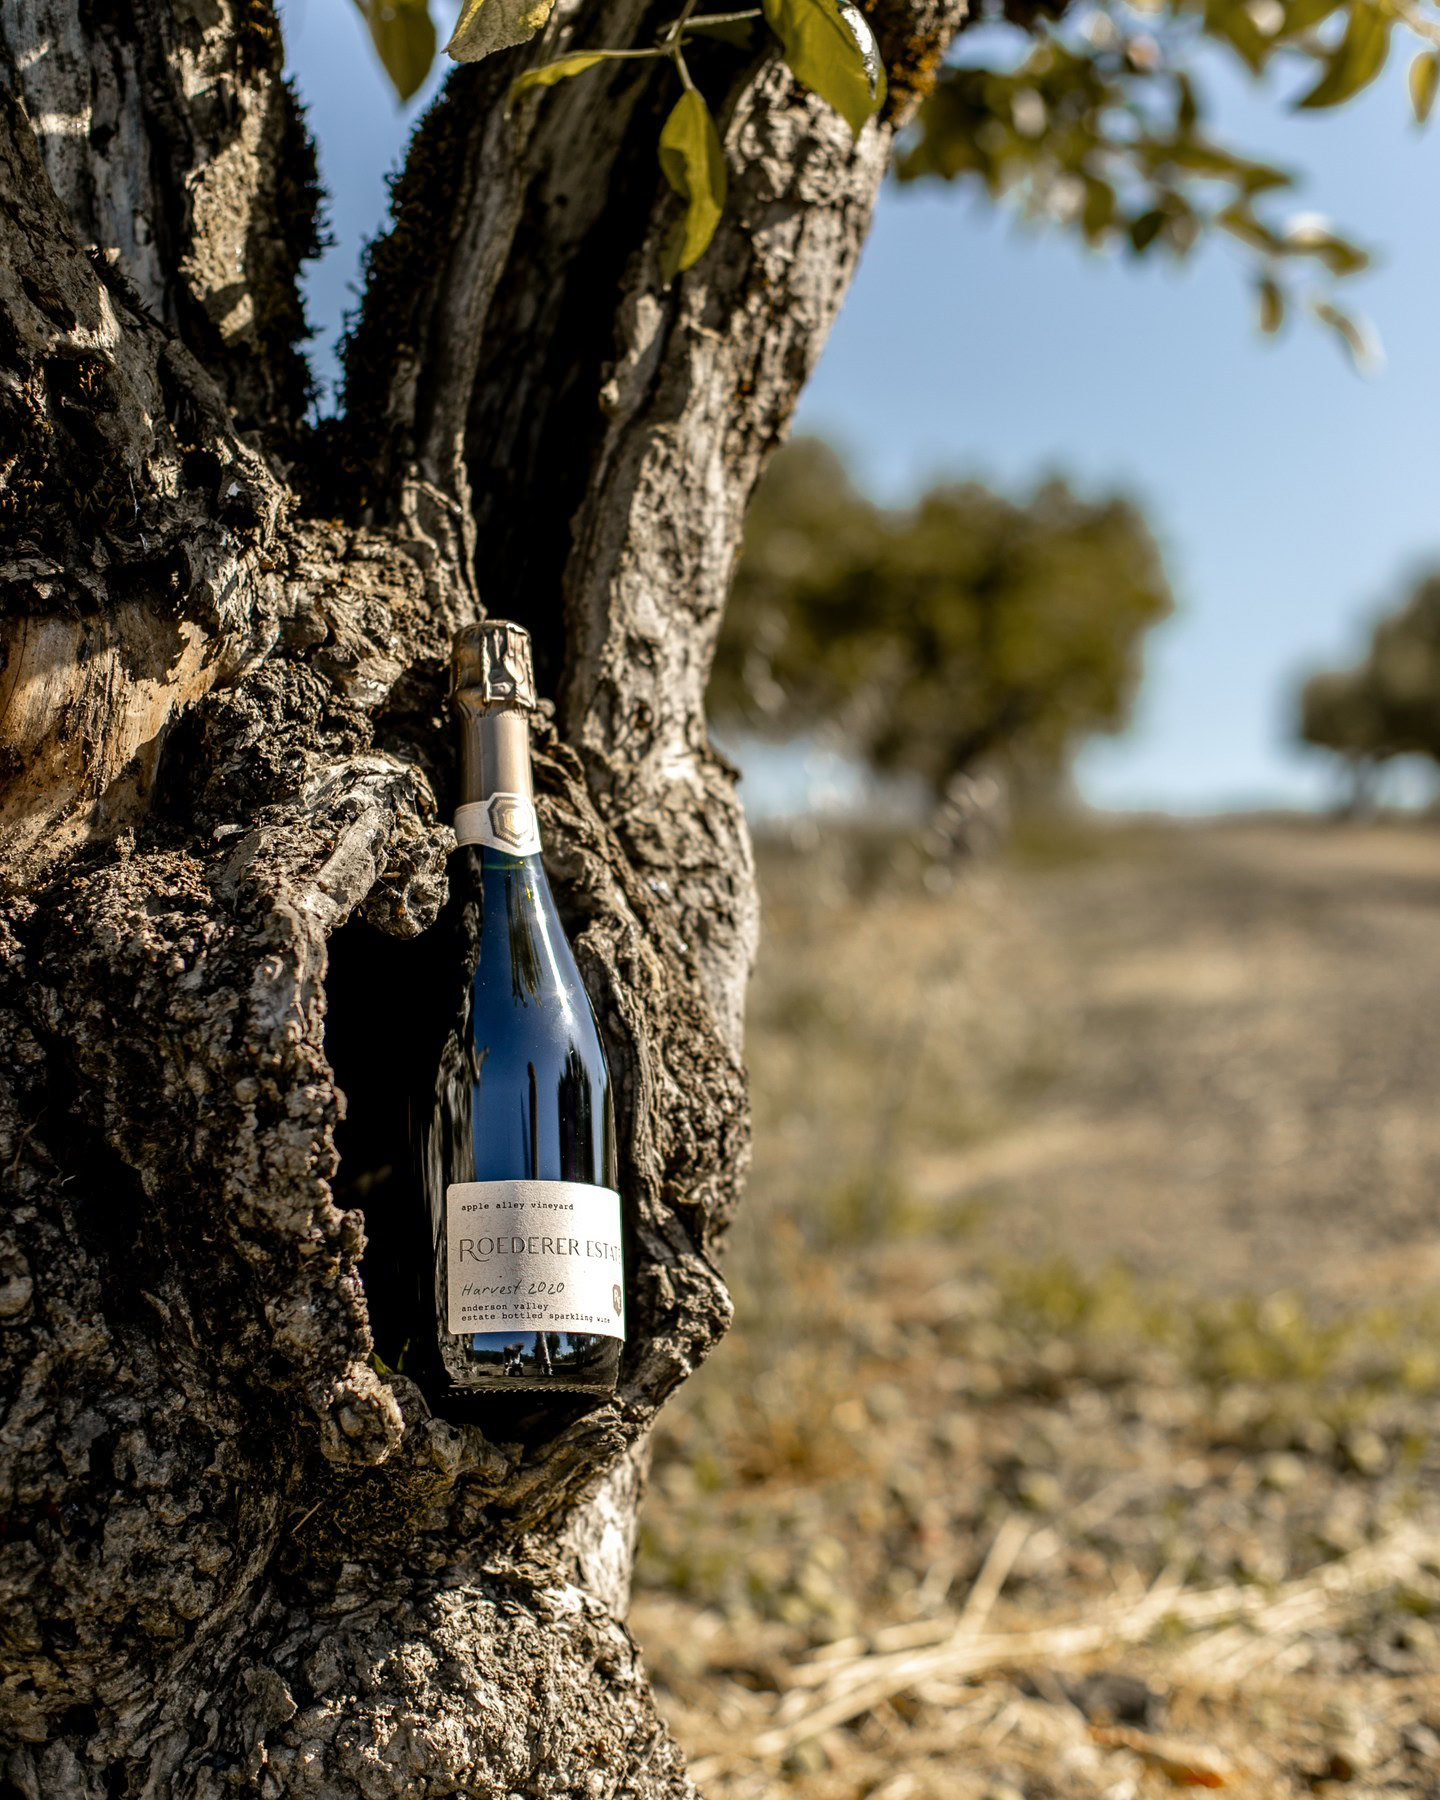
{"x":178,"y":152}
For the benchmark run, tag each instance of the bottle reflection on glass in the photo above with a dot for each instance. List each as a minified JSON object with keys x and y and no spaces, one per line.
{"x":516,"y":1144}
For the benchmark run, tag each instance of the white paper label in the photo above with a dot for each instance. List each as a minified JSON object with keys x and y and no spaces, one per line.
{"x":505,"y":822}
{"x":534,"y":1256}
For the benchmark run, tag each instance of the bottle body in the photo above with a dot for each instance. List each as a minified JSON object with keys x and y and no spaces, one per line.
{"x":516,"y":1142}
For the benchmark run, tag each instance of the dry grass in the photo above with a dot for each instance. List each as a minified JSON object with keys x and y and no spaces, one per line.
{"x":1003,"y":1486}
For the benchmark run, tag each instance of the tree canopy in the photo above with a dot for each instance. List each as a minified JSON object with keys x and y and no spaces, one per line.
{"x":1388,"y":704}
{"x":967,"y":628}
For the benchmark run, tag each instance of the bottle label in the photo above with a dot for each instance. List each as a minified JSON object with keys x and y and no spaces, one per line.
{"x":534,"y":1256}
{"x":503,"y":822}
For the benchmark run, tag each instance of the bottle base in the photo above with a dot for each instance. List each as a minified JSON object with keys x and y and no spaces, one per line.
{"x":519,"y":1385}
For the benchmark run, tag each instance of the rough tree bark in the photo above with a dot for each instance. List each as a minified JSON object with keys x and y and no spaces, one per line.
{"x":236,"y":1555}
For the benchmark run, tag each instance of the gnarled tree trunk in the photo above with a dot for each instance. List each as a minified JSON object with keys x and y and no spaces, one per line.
{"x":237,"y":1554}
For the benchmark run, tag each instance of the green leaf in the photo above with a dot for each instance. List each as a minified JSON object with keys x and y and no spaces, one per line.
{"x":830,"y":47}
{"x":1099,"y":209}
{"x":1272,"y":305}
{"x":1145,"y":230}
{"x":1357,"y":59}
{"x":1360,"y":342}
{"x":1339,"y":256}
{"x":738,"y":32}
{"x":1240,"y":222}
{"x":692,"y":160}
{"x":1303,"y":15}
{"x":488,"y":25}
{"x":404,"y":35}
{"x":549,"y":73}
{"x":1230,"y":21}
{"x":1424,"y":80}
{"x":1197,"y":157}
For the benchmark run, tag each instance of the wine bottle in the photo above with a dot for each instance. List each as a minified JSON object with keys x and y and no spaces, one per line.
{"x":516,"y":1144}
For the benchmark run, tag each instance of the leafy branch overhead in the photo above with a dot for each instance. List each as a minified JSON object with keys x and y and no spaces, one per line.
{"x":1091,"y":116}
{"x":1098,"y":125}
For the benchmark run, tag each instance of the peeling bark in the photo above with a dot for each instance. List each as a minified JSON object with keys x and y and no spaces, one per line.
{"x":237,"y":1553}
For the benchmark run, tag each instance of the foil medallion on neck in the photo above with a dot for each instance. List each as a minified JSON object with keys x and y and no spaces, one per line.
{"x":502,"y":822}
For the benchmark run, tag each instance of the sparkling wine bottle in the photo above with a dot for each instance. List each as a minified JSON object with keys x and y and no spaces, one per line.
{"x":516,"y":1149}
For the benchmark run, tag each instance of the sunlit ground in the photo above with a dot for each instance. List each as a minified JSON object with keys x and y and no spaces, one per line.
{"x":1076,"y":1437}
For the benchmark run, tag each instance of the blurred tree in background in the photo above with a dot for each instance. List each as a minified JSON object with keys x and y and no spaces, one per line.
{"x":966,"y":630}
{"x":1387,"y":705}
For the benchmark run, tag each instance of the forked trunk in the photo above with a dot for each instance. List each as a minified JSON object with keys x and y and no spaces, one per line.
{"x":236,"y":1555}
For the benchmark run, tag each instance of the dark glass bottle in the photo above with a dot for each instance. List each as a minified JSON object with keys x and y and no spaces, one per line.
{"x":516,"y":1146}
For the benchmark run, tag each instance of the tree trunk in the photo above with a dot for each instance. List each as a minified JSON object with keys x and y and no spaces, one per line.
{"x":238,"y":1555}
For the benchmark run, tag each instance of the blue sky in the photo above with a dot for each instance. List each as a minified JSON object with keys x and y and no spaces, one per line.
{"x":1291,"y":496}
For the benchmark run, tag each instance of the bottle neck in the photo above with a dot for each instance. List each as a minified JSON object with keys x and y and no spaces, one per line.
{"x":497,"y":794}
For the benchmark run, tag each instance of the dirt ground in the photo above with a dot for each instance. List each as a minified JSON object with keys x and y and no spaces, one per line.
{"x":1077,"y":1434}
{"x":1247,"y":1088}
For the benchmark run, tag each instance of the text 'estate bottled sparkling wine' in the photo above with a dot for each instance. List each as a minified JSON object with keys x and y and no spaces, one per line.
{"x":517,"y":1151}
